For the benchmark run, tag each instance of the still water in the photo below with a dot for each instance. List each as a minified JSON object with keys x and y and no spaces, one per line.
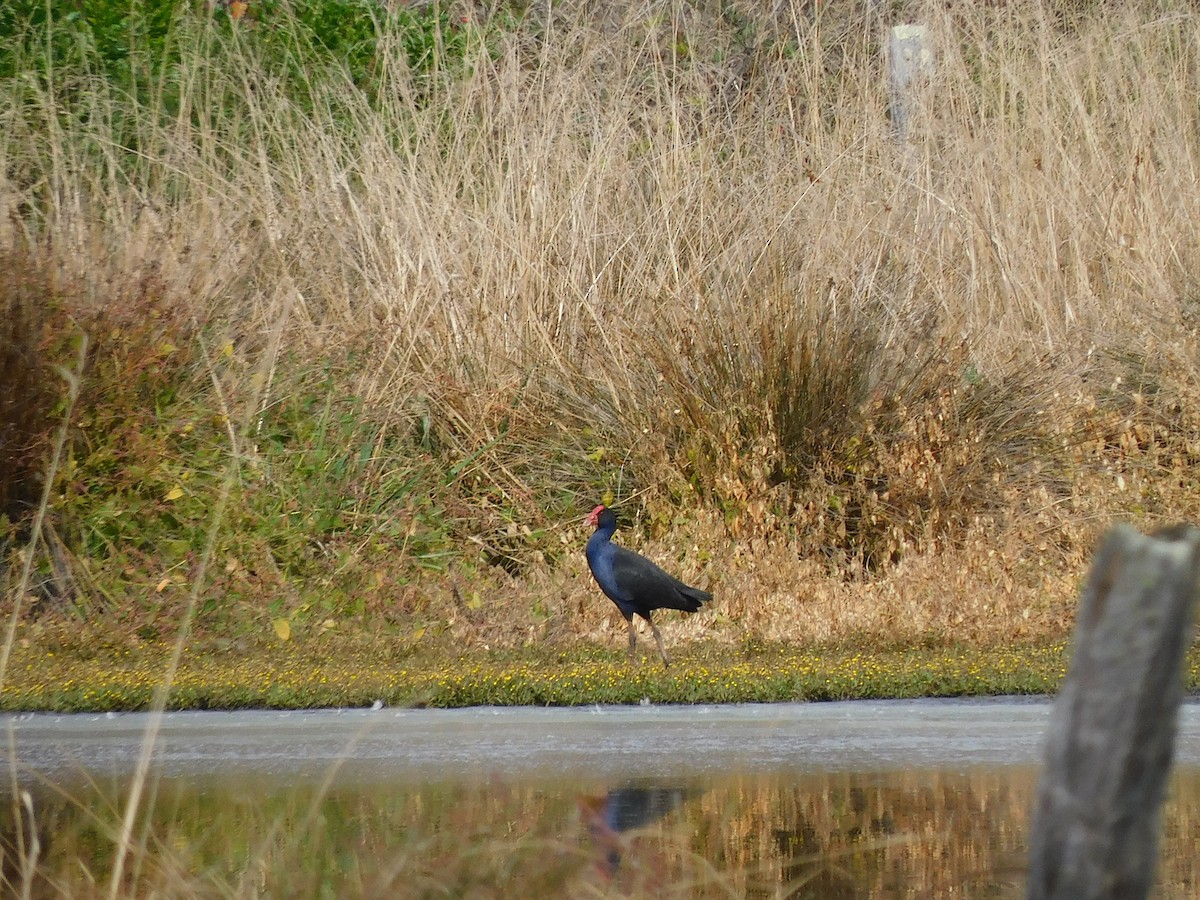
{"x":867,"y":799}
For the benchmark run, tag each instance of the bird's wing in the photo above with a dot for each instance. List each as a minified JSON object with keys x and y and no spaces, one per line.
{"x":642,"y":582}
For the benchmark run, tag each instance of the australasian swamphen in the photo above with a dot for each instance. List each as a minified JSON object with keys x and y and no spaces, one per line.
{"x":625,"y":809}
{"x":635,"y":584}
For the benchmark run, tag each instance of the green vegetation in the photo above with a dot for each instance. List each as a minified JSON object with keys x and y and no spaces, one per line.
{"x":321,"y":674}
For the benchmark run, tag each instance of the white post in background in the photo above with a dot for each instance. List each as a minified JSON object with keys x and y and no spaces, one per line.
{"x":910,"y":66}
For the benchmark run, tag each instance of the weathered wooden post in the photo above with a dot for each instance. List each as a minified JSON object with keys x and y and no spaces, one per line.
{"x":910,"y":65}
{"x":1111,"y":737}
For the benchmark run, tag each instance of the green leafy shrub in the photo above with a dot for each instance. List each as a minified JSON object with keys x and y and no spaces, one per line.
{"x":138,"y":46}
{"x":361,"y":32}
{"x":120,"y":38}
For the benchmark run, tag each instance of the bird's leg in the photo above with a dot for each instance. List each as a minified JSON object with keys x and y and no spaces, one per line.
{"x":632,"y":639}
{"x":658,"y":640}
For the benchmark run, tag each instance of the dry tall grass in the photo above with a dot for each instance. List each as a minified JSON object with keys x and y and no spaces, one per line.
{"x":678,"y":255}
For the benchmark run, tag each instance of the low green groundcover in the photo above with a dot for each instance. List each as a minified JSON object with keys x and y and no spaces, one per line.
{"x":296,"y":676}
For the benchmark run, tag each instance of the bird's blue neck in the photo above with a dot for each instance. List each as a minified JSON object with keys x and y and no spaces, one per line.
{"x":600,"y":538}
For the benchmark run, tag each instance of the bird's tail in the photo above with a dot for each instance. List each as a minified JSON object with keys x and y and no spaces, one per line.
{"x":694,"y":598}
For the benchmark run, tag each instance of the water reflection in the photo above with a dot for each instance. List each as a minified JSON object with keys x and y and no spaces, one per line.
{"x":624,"y":809}
{"x":891,"y":834}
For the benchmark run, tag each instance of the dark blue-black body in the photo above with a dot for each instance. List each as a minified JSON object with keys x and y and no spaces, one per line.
{"x":635,"y":584}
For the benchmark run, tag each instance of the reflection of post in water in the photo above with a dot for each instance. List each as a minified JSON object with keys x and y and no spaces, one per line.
{"x":622,"y":810}
{"x":807,"y":872}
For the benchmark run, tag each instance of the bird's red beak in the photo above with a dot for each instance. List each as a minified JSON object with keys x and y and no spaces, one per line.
{"x":594,"y":516}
